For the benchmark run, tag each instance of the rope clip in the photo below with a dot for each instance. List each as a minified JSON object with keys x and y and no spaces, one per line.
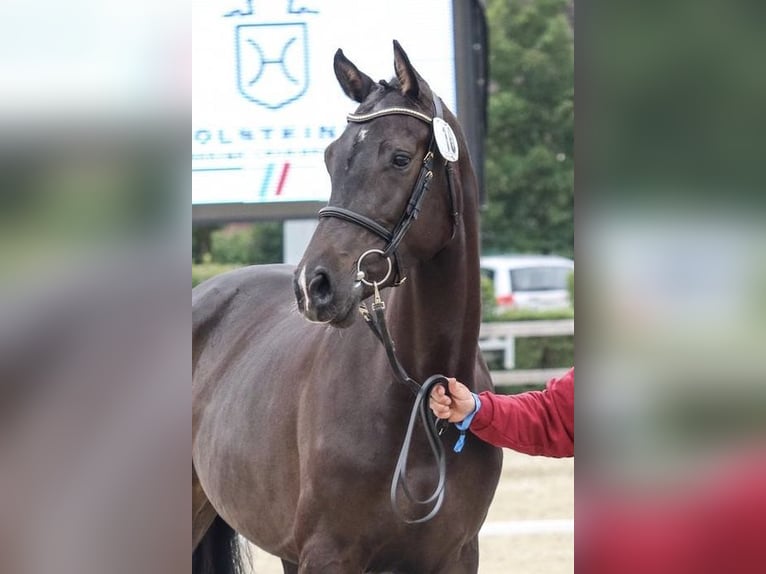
{"x":378,"y":302}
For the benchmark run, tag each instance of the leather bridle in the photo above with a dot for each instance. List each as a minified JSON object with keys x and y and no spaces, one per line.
{"x":395,"y":236}
{"x":376,"y":319}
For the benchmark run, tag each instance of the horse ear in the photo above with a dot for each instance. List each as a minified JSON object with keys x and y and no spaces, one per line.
{"x":405,"y":73}
{"x":356,"y":85}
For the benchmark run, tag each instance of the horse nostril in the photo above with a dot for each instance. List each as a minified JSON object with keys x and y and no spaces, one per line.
{"x":320,"y":289}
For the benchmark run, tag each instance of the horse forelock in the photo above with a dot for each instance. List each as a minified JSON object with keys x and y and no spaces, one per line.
{"x":388,"y":94}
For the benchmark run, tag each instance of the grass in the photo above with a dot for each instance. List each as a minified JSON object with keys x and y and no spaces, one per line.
{"x":532,"y":315}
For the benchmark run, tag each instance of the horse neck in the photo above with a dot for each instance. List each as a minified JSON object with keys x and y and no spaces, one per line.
{"x":435,"y":315}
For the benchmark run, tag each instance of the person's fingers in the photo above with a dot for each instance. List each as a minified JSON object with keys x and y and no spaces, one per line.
{"x":458,"y":389}
{"x":443,"y":405}
{"x":437,"y":392}
{"x":442,"y":401}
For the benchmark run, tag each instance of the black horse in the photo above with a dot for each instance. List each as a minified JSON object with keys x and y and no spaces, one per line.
{"x":297,"y":424}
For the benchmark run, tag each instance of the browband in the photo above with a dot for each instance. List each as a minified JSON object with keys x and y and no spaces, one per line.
{"x":361,"y":118}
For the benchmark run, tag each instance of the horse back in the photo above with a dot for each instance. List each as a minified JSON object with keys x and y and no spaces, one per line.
{"x":237,"y":299}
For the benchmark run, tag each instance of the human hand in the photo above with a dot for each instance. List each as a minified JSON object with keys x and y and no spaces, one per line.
{"x":455,"y":407}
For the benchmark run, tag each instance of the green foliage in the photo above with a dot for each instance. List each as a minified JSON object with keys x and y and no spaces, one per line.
{"x":533,"y":315}
{"x":538,"y":353}
{"x":205,"y":271}
{"x":530,"y":168}
{"x":219,"y":249}
{"x":268,"y":242}
{"x":231,"y":246}
{"x":201,"y":237}
{"x":247,"y":245}
{"x":544,"y":352}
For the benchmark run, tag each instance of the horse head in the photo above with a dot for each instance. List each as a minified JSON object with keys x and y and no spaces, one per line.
{"x":391,"y":192}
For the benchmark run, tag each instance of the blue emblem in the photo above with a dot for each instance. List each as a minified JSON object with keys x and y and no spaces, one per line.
{"x":272,"y":63}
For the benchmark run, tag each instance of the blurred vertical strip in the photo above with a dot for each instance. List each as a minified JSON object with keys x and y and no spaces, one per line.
{"x":94,"y":247}
{"x":671,"y":242}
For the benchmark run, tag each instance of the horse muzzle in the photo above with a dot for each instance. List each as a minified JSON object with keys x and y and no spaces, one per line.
{"x":321,"y":299}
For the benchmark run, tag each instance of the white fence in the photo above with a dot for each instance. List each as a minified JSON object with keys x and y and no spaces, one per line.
{"x":502,"y":337}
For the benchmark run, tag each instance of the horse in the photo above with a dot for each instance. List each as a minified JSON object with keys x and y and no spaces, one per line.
{"x":297,"y":415}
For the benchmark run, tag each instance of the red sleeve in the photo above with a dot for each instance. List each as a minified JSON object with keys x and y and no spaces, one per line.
{"x":536,"y":422}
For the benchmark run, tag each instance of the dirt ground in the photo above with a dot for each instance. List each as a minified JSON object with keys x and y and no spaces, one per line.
{"x":530,"y":489}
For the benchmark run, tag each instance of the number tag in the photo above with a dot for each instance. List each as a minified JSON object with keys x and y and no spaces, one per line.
{"x":445,"y":139}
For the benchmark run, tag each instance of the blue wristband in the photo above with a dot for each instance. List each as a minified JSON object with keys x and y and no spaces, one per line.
{"x":463,"y":425}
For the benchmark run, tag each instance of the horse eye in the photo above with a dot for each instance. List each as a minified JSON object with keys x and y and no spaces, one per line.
{"x":401,"y":160}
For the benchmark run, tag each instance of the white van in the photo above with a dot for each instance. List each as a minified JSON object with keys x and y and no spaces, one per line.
{"x":528,"y":281}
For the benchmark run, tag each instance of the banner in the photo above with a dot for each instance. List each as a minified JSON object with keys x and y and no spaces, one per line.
{"x":265,"y":99}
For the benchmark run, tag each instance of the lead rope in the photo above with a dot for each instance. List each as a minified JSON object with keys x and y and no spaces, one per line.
{"x":420,"y":407}
{"x":377,"y":323}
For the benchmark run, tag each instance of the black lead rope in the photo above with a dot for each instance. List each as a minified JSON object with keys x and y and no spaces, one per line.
{"x":377,"y":323}
{"x":428,"y":419}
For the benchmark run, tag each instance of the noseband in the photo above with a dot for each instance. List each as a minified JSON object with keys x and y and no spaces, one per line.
{"x":394,"y":237}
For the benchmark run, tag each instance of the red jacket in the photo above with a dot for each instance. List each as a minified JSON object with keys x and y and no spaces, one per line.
{"x":536,"y":422}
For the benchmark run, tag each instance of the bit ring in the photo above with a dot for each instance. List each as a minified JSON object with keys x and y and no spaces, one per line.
{"x":361,"y":275}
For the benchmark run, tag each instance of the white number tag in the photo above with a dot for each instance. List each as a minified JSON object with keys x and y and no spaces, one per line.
{"x":445,"y":139}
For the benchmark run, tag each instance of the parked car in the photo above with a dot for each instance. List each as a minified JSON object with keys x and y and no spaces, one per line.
{"x":528,"y":281}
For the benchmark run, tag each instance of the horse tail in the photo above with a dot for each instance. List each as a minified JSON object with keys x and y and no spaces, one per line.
{"x":219,"y":551}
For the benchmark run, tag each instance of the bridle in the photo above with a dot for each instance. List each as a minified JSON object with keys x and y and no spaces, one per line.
{"x":376,"y":319}
{"x":395,"y":236}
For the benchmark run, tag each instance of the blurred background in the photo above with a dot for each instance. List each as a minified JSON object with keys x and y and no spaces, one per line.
{"x":671,"y":234}
{"x":94,"y":224}
{"x":95,"y":227}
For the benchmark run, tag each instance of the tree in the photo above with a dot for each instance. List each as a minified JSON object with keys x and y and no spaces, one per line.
{"x":248,"y":243}
{"x":202,"y":241}
{"x":530,"y":164}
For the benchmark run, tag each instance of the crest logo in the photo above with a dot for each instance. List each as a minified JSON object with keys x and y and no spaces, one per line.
{"x":272,"y":63}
